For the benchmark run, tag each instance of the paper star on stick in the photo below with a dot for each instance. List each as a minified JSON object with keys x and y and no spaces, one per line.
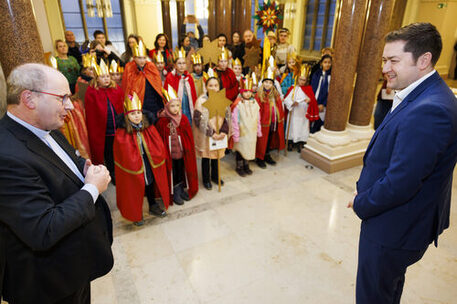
{"x":217,"y":103}
{"x":252,"y":57}
{"x":210,"y":52}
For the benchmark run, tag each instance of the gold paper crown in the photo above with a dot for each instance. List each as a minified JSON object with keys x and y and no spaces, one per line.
{"x":101,"y":69}
{"x":224,"y":54}
{"x":139,"y":50}
{"x":269,"y":74}
{"x":246,"y":83}
{"x":53,"y":62}
{"x":170,"y":94}
{"x":158,"y":57}
{"x":209,"y":74}
{"x":132,"y":104}
{"x":237,"y":62}
{"x":254,"y":78}
{"x":293,"y":56}
{"x":115,"y":67}
{"x":87,"y":60}
{"x":196,"y":58}
{"x":179,"y":53}
{"x":304,"y":71}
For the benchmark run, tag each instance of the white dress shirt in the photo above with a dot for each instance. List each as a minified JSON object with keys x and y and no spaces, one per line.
{"x":401,"y":95}
{"x":51,"y":143}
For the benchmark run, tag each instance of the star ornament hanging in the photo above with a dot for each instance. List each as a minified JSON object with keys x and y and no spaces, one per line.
{"x":217,"y":103}
{"x":268,"y":16}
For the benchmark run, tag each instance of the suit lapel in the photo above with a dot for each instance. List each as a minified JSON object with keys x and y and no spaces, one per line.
{"x":411,"y":97}
{"x":38,"y":147}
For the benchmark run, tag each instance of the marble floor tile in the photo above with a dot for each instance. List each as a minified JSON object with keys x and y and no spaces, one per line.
{"x":282,"y":235}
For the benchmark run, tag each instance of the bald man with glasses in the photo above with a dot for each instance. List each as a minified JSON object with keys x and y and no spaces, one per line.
{"x":55,"y":227}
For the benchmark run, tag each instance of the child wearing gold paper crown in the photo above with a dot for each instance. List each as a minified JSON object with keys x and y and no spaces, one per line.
{"x":115,"y":71}
{"x":227,"y":76}
{"x":204,"y":128}
{"x":141,"y":164}
{"x":238,"y":69}
{"x":271,"y":120}
{"x":245,"y":127}
{"x":290,"y":73}
{"x":183,"y":83}
{"x":302,"y":106}
{"x":159,"y":62}
{"x":176,"y":132}
{"x":103,"y":101}
{"x":197,"y":74}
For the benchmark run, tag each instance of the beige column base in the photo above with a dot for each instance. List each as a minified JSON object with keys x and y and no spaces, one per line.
{"x":332,"y":151}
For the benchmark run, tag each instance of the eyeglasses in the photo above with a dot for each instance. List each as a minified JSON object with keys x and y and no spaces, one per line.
{"x":63,"y":98}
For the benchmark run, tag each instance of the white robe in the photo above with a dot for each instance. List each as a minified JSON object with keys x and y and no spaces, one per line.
{"x":299,"y":124}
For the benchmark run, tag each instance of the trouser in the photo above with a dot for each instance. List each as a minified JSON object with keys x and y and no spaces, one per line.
{"x":81,"y":296}
{"x":270,"y":135}
{"x":109,"y":155}
{"x":150,"y":195}
{"x":238,"y":156}
{"x":178,"y":171}
{"x":206,"y":170}
{"x":381,"y":272}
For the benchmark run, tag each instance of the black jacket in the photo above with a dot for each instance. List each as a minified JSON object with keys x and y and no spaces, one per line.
{"x":54,"y":238}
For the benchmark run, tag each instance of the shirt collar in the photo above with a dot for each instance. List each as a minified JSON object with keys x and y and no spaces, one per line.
{"x":405,"y":92}
{"x":42,"y":134}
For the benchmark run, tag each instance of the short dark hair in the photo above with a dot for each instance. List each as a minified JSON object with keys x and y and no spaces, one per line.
{"x":420,"y":38}
{"x":98,"y":32}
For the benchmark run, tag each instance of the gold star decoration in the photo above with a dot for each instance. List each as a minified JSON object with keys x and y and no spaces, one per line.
{"x":217,"y":103}
{"x":210,"y":52}
{"x":252,"y":57}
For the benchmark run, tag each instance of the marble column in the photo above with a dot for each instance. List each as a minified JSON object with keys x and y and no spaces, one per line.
{"x":333,"y":149}
{"x":224,"y":18}
{"x":181,"y":9}
{"x":369,"y":64}
{"x":242,"y":15}
{"x":212,"y":19}
{"x":397,"y":18}
{"x":21,"y":41}
{"x":166,"y":19}
{"x":348,"y":39}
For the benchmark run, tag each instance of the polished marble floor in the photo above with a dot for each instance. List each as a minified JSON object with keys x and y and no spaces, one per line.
{"x":282,"y":235}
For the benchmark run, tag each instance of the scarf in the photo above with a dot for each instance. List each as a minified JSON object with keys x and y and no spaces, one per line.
{"x":175,"y":118}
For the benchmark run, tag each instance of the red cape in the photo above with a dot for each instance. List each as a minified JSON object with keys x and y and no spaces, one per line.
{"x":277,"y":142}
{"x":173,"y":80}
{"x":313,"y":110}
{"x":134,"y":80}
{"x":96,"y":107}
{"x":128,"y":162}
{"x":230,"y":84}
{"x":187,"y":140}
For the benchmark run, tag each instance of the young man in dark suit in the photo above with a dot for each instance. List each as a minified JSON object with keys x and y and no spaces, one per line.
{"x":55,"y":228}
{"x":404,"y":190}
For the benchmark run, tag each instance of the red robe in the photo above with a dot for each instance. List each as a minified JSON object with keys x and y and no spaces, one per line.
{"x":134,"y":80}
{"x":230,"y":83}
{"x":184,"y":130}
{"x":129,"y":170}
{"x":313,"y":110}
{"x":96,"y":116}
{"x":277,"y":142}
{"x":173,"y":80}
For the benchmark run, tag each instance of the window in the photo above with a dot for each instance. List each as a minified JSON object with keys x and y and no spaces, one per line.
{"x":77,"y":20}
{"x":319,"y":20}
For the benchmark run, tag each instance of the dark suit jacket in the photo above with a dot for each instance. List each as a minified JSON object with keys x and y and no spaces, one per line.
{"x":54,"y":238}
{"x":404,"y":190}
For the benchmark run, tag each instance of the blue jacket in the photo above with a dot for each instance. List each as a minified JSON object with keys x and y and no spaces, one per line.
{"x":404,"y":190}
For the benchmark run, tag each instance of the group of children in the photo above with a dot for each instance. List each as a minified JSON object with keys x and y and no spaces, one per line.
{"x":150,"y":124}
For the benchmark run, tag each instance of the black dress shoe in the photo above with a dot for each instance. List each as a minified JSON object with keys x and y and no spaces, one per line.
{"x":241,"y":172}
{"x":156,"y":211}
{"x":260,"y":163}
{"x":247,"y":169}
{"x":217,"y":182}
{"x":185,"y":195}
{"x":269,"y":160}
{"x":208,"y":186}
